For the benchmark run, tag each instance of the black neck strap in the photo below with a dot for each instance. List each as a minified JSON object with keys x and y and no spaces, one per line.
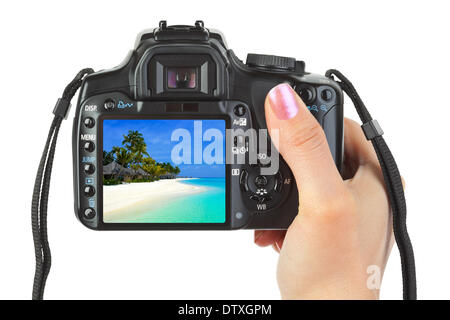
{"x":370,"y":127}
{"x":393,"y":182}
{"x":42,"y":186}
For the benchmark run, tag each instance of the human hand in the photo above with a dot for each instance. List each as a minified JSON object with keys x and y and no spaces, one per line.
{"x":344,"y":224}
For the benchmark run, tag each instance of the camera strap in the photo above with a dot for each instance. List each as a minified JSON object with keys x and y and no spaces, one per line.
{"x":393,"y":182}
{"x":371,"y":129}
{"x":42,"y":186}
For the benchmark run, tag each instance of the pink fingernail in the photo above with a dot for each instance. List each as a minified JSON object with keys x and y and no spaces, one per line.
{"x":283,"y":101}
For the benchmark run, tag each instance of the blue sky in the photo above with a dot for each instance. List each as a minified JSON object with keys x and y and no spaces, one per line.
{"x":157,"y":135}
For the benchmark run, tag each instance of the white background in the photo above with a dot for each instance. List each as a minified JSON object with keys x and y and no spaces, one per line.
{"x":397,"y":54}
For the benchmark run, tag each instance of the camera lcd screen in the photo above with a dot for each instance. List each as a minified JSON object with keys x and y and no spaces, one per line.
{"x":164,"y":171}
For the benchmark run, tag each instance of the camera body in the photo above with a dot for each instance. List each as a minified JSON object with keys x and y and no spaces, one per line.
{"x":185,"y":76}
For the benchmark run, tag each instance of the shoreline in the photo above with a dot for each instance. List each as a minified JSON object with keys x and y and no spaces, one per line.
{"x":119,"y":200}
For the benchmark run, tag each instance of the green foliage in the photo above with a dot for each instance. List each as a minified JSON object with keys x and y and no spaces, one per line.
{"x":135,"y":144}
{"x":150,"y":166}
{"x":108,"y":157}
{"x":123,"y":156}
{"x":133,"y":154}
{"x":169,"y":168}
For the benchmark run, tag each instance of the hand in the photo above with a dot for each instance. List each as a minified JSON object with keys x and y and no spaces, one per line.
{"x":344,"y":225}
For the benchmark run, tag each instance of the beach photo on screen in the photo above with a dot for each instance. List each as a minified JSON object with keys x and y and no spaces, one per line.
{"x":164,"y":171}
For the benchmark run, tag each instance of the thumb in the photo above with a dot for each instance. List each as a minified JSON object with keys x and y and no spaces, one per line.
{"x":303,"y":145}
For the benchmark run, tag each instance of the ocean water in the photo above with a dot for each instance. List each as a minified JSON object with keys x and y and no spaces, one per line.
{"x":203,"y":207}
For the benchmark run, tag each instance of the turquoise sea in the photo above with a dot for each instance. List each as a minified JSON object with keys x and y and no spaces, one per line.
{"x":203,"y":207}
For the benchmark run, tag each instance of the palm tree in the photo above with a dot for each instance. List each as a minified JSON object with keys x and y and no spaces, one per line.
{"x":123,"y":156}
{"x":135,"y":143}
{"x":108,"y":157}
{"x":134,"y":154}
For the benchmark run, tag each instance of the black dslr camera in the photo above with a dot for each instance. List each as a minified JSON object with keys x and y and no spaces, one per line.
{"x":173,"y":137}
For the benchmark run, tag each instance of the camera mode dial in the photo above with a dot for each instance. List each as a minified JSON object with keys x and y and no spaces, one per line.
{"x":265,"y":61}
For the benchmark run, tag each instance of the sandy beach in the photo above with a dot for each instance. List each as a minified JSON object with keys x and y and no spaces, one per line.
{"x":119,"y":200}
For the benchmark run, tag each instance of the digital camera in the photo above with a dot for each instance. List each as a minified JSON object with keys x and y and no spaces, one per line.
{"x":175,"y":137}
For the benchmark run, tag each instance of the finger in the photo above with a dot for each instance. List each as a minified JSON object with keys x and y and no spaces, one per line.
{"x":264,"y":238}
{"x":357,"y":150}
{"x":361,"y":163}
{"x":360,"y":154}
{"x":278,"y":245}
{"x":357,"y":147}
{"x":303,"y":145}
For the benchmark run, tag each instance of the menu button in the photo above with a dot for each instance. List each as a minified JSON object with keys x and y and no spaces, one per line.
{"x":89,"y":146}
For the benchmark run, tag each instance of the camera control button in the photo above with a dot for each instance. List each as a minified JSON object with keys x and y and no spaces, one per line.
{"x":89,"y":122}
{"x":89,"y":191}
{"x":109,"y":104}
{"x":278,"y":182}
{"x":306,"y":94}
{"x":89,"y":146}
{"x":89,"y":168}
{"x":326,"y":95}
{"x":261,"y":198}
{"x":261,"y":181}
{"x":89,"y":213}
{"x":270,"y":62}
{"x":243,"y":180}
{"x":239,"y":110}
